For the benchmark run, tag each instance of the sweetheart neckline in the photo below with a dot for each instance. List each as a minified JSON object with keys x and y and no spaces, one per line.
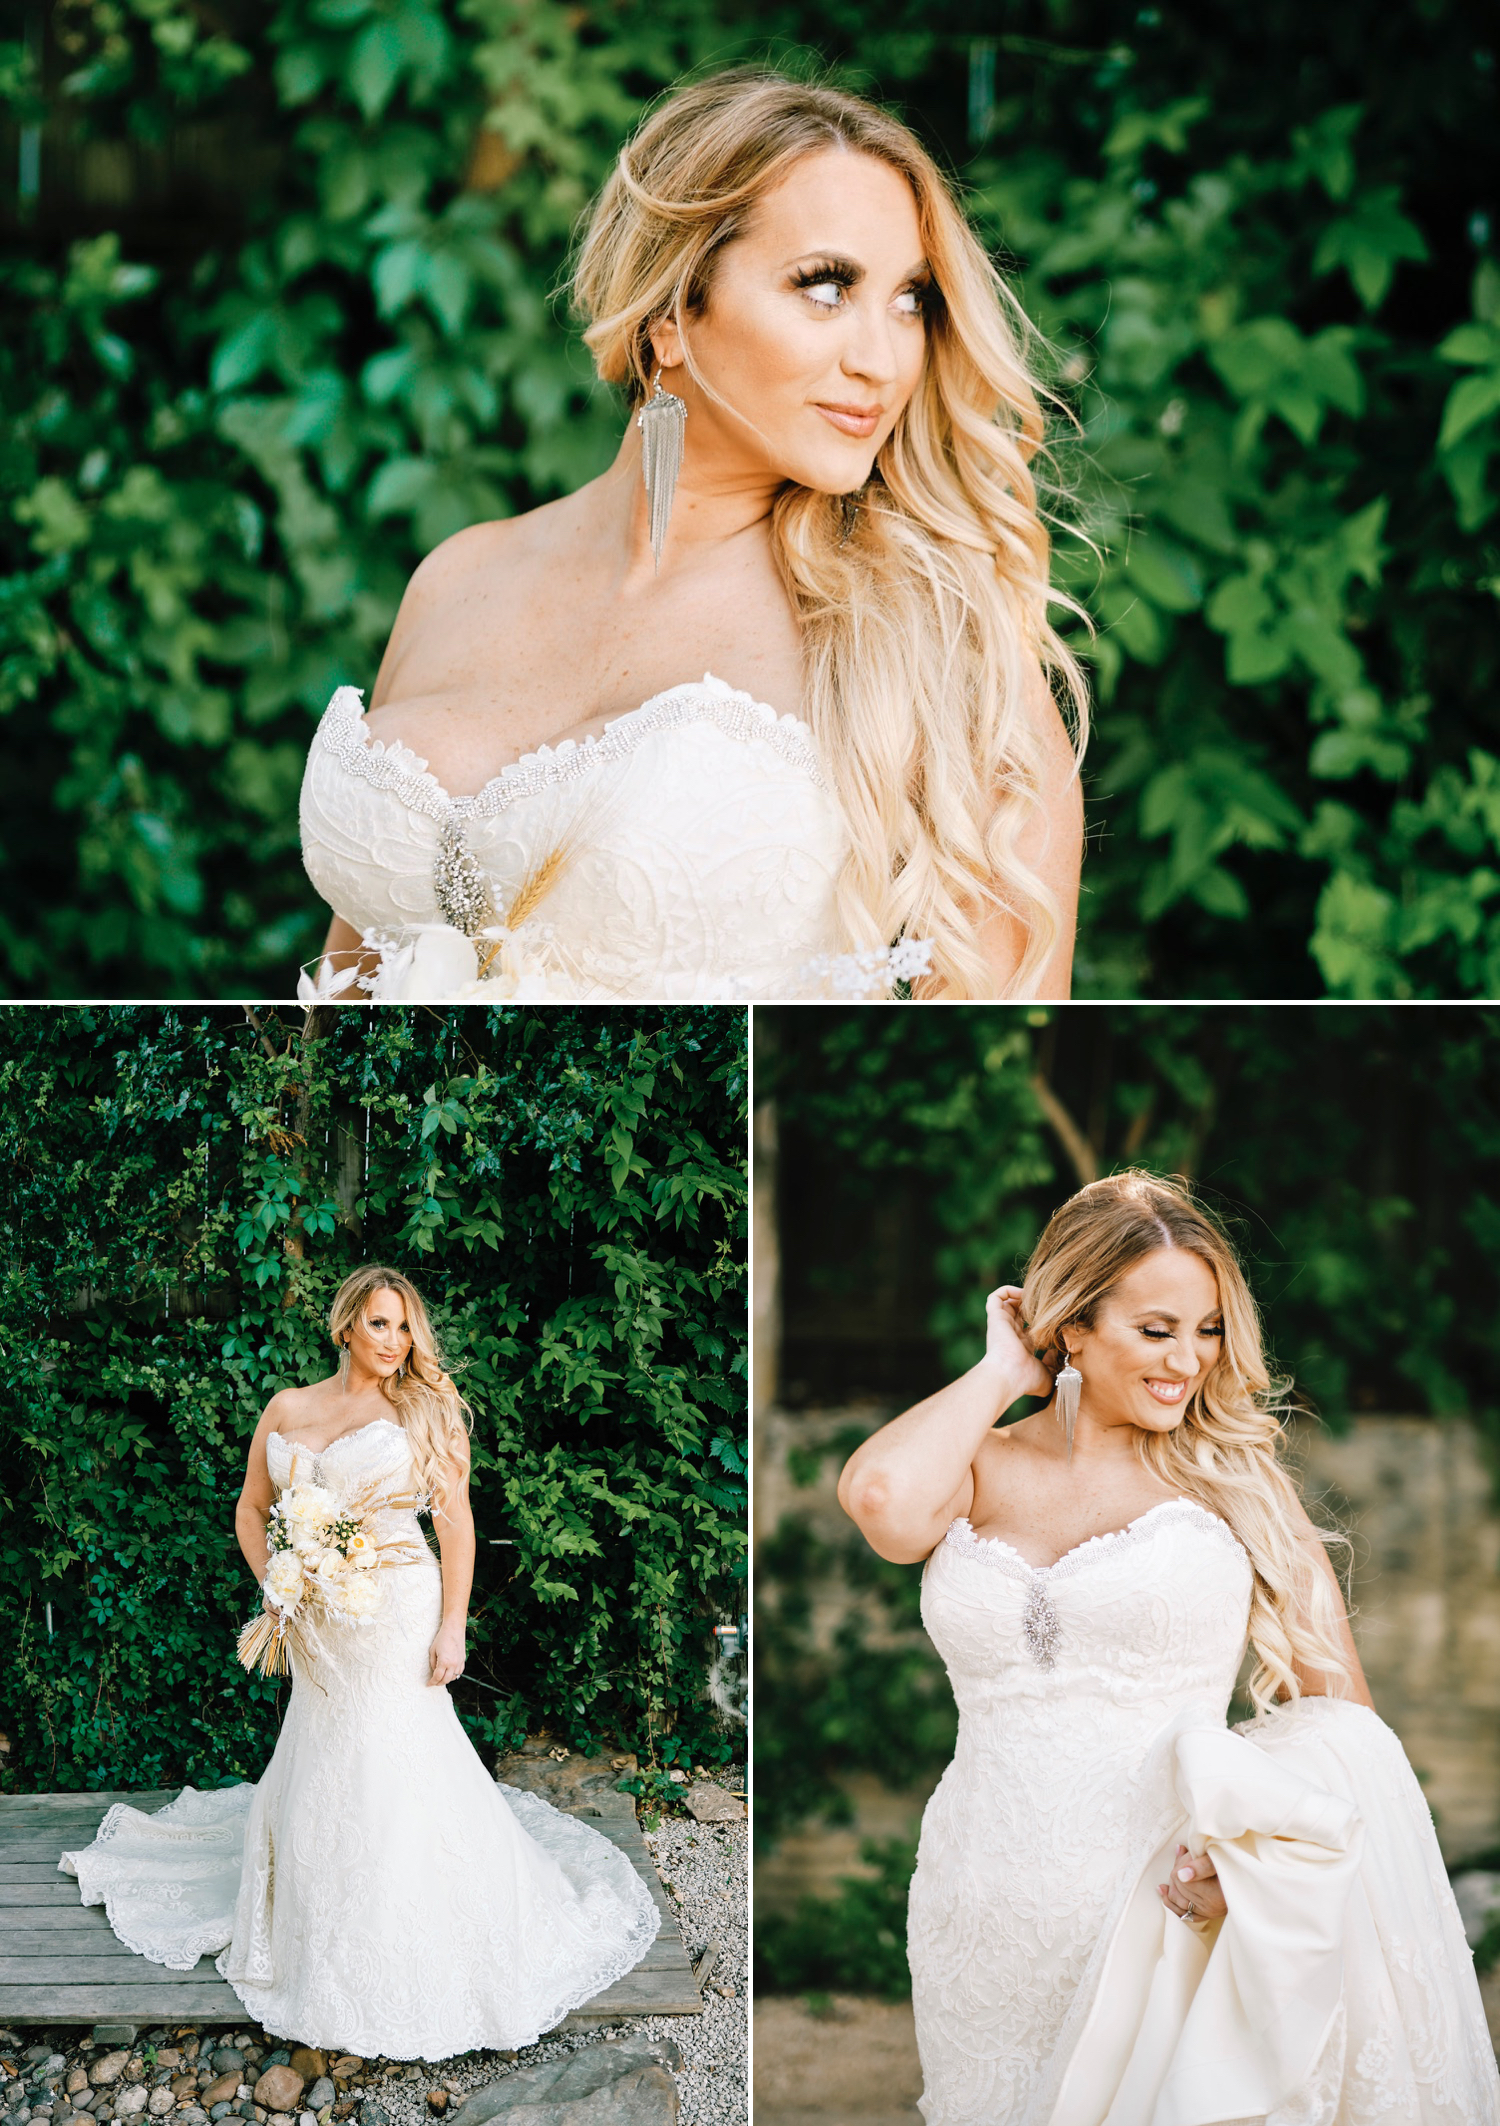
{"x":407,"y":761}
{"x":1111,"y":1535}
{"x":319,"y":1452}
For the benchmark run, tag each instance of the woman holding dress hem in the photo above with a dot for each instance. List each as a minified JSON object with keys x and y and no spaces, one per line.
{"x":1197,"y":1924}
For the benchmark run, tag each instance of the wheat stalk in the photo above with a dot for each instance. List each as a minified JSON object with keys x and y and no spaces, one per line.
{"x":529,"y":895}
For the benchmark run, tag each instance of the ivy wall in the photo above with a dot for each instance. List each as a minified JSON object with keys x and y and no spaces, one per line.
{"x":180,"y":1194}
{"x":278,"y":298}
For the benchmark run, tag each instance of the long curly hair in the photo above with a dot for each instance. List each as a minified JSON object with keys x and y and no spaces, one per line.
{"x":425,"y":1401}
{"x":926,"y":636}
{"x":1227,"y":1450}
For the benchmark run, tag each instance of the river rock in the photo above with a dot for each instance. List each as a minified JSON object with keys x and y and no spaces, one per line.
{"x":346,"y":2066}
{"x":279,"y":2089}
{"x":160,"y":2101}
{"x":710,"y":1804}
{"x":580,"y":1785}
{"x":322,"y":2092}
{"x":373,"y":2114}
{"x":131,"y":2102}
{"x":226,"y":2060}
{"x":309,"y":2063}
{"x":621,"y":2084}
{"x":109,"y":2069}
{"x":222,"y":2091}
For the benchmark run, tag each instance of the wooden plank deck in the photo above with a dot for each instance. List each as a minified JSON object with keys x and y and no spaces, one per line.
{"x":61,"y":1963}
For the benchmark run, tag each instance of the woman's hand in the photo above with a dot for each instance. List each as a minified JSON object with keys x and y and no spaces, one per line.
{"x":1005,"y":1341}
{"x":446,"y":1660}
{"x":1193,"y":1893}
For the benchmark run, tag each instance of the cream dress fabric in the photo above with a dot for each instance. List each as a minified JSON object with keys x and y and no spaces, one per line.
{"x":1051,"y":1987}
{"x":377,"y":1891}
{"x":690,"y":853}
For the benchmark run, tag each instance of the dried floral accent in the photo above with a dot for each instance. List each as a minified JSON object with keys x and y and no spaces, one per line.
{"x":323,"y":1557}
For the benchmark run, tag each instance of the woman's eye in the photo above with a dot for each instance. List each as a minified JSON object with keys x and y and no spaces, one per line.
{"x":826,"y":294}
{"x":1158,"y":1334}
{"x":909,"y":302}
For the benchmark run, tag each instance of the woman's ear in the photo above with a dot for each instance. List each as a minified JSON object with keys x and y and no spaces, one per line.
{"x":666,"y":343}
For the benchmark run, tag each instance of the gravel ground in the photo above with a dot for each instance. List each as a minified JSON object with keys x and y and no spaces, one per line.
{"x":705,"y":1869}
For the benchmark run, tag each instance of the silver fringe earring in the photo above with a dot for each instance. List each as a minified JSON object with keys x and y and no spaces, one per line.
{"x":661,"y":421}
{"x":1068,"y":1386}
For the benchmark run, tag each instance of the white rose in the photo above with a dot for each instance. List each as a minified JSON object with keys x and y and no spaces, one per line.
{"x":310,"y":1502}
{"x":330,"y":1567}
{"x":360,"y":1597}
{"x":283,"y":1580}
{"x":307,"y":1541}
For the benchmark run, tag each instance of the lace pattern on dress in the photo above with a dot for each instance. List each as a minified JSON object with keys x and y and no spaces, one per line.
{"x":394,"y":766}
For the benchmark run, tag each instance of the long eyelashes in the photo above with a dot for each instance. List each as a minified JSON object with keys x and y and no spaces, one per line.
{"x":841,"y":275}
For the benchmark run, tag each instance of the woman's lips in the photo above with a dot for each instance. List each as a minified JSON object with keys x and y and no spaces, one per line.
{"x":852,"y":420}
{"x":1167,"y":1391}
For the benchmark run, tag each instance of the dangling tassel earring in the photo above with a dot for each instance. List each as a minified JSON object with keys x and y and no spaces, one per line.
{"x":661,"y":421}
{"x":343,"y":1366}
{"x":1068,"y":1386}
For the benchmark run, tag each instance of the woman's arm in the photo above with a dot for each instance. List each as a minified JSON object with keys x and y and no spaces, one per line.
{"x":454,"y":1521}
{"x":257,"y":1493}
{"x":913,"y":1476}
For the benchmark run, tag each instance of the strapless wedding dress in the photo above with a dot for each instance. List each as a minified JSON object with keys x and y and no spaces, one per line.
{"x":377,"y":1892}
{"x":688,"y":853}
{"x":1051,"y":1986}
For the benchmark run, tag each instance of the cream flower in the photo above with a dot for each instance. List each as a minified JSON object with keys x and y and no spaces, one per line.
{"x":330,"y":1567}
{"x":362,"y":1552}
{"x":310,"y":1502}
{"x":307,"y":1541}
{"x":283,"y":1580}
{"x":359,"y":1597}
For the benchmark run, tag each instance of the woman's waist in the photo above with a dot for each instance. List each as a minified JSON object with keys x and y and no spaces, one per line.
{"x":1057,"y":1726}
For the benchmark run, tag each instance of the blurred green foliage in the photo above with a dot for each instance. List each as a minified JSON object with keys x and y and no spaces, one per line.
{"x":184,"y":1192}
{"x":1354,"y":1154}
{"x":284,"y":316}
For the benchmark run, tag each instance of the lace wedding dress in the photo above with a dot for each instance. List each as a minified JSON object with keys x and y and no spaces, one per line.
{"x":377,"y":1892}
{"x":1051,"y":1987}
{"x":688,"y":853}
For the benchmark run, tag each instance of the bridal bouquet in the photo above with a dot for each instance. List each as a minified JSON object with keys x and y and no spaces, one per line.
{"x":324,"y":1558}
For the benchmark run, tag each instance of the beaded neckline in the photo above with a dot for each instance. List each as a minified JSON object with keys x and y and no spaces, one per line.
{"x":1041,"y":1625}
{"x":318,"y":1453}
{"x":994,"y":1550}
{"x":394,"y":766}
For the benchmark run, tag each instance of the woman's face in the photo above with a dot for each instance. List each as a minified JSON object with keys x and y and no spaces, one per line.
{"x":1154,"y":1338}
{"x":813,"y":330}
{"x":380,"y":1341}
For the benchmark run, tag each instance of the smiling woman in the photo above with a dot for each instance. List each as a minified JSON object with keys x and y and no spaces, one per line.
{"x":825,"y":505}
{"x":1197,"y":1922}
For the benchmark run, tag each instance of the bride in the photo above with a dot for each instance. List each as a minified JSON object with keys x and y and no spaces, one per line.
{"x":1125,"y":1913}
{"x":376,"y":1892}
{"x":767,"y":709}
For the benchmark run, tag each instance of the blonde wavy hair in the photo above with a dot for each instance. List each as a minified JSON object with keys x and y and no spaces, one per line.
{"x":428,"y":1406}
{"x":1227,"y":1450}
{"x":924,"y":615}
